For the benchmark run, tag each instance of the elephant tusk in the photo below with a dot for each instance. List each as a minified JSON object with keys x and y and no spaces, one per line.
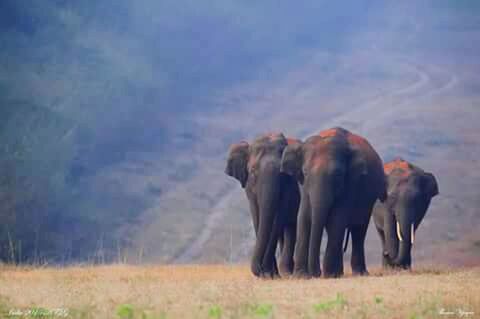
{"x":412,"y":239}
{"x":399,"y":233}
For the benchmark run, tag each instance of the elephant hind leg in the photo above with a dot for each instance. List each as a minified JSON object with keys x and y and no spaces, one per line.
{"x":359,"y":267}
{"x":333,"y":259}
{"x":287,"y":250}
{"x":314,"y":249}
{"x":300,"y":257}
{"x":321,"y":212}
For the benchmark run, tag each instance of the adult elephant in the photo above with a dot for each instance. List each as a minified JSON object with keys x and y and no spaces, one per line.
{"x":274,"y":199}
{"x":410,"y":190}
{"x":341,"y":177}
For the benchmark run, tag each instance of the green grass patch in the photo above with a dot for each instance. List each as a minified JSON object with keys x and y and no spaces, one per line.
{"x":215,"y":312}
{"x":338,"y":303}
{"x":254,"y":310}
{"x":378,"y":300}
{"x":128,"y":311}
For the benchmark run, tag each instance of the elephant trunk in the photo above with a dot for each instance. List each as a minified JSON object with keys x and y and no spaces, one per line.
{"x":406,"y":235}
{"x":268,"y":197}
{"x":392,"y":239}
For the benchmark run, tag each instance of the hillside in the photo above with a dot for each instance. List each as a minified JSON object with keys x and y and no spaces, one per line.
{"x":417,"y":105}
{"x":115,"y":117}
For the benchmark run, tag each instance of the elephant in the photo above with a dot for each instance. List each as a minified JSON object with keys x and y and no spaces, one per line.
{"x":341,"y":177}
{"x":410,"y":190}
{"x":274,"y":199}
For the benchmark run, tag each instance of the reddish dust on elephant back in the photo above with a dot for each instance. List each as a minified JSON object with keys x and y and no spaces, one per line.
{"x":357,"y":140}
{"x":291,"y":141}
{"x":398,"y":163}
{"x":353,"y":139}
{"x":330,"y":132}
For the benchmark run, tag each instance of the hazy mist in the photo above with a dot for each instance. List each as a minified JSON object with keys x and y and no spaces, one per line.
{"x":115,"y":115}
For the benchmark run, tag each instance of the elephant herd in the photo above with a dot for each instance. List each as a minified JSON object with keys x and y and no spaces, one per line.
{"x":332,"y":181}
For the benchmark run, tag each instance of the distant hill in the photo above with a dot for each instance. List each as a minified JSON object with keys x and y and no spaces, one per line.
{"x":122,"y":112}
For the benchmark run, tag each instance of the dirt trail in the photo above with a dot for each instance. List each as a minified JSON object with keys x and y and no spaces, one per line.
{"x":357,"y":117}
{"x":213,"y":221}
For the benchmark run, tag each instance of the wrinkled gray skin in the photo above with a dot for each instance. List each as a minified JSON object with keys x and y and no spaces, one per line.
{"x":410,"y":190}
{"x":341,"y":177}
{"x":274,"y":199}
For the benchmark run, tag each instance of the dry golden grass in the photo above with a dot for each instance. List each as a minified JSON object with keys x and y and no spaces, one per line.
{"x":220,"y":291}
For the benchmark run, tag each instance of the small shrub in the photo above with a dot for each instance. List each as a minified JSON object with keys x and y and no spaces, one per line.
{"x":263,"y":310}
{"x":338,"y":302}
{"x":125,"y":311}
{"x":257,"y":310}
{"x":215,"y":312}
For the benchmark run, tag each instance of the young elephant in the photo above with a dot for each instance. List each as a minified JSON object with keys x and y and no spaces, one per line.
{"x":410,"y":190}
{"x":274,"y":199}
{"x":341,"y":177}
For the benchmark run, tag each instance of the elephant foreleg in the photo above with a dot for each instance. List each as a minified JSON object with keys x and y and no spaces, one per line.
{"x":381,"y":234}
{"x":269,"y":263}
{"x":259,"y":260}
{"x":254,"y":212}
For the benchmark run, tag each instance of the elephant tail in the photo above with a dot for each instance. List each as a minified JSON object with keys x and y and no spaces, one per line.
{"x":346,"y":240}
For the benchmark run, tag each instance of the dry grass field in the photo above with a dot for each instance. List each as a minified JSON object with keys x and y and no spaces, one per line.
{"x":222,"y":291}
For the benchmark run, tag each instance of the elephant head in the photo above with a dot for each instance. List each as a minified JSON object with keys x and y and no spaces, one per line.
{"x":257,"y":167}
{"x":292,"y":161}
{"x":410,"y":190}
{"x":245,"y":159}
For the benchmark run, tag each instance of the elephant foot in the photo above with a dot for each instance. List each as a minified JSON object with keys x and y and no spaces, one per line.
{"x":387,"y":266}
{"x":333,"y":274}
{"x":265,"y":271}
{"x":286,"y":274}
{"x":270,"y":272}
{"x":286,"y":270}
{"x":256,"y":269}
{"x":399,"y":267}
{"x":388,"y":263}
{"x":405,"y":267}
{"x":362,"y":272}
{"x":332,"y":270}
{"x":275,"y":270}
{"x":301,"y":274}
{"x":314,"y":269}
{"x":269,"y":275}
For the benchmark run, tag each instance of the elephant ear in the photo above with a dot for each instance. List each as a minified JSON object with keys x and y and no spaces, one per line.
{"x":292,"y":161}
{"x":237,"y":162}
{"x":430,"y":185}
